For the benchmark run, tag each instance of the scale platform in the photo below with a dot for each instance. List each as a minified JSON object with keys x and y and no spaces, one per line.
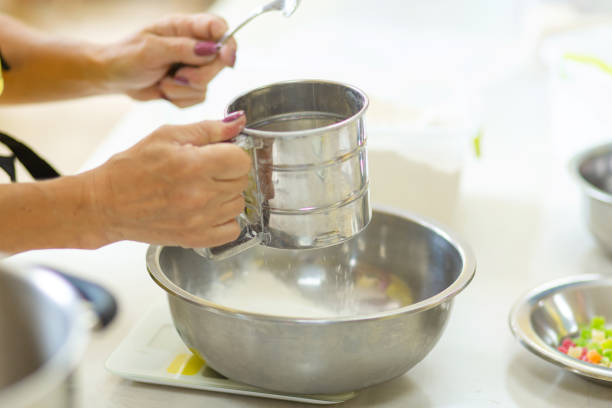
{"x":154,"y":353}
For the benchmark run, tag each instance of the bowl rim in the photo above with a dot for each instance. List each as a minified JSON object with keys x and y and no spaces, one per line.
{"x":578,"y":160}
{"x":519,"y":321}
{"x":463,"y":279}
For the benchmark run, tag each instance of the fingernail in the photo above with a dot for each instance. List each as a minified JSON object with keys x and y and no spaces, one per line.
{"x":206,"y":48}
{"x":217,"y":28}
{"x":233,"y":117}
{"x":181,"y":80}
{"x":233,"y":59}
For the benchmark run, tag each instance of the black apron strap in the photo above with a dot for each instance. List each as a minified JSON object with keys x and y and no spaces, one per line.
{"x":5,"y":66}
{"x":7,"y":163}
{"x":34,"y":164}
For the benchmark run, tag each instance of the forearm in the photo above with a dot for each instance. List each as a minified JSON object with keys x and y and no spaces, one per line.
{"x":57,"y":213}
{"x":45,"y":68}
{"x":181,"y":185}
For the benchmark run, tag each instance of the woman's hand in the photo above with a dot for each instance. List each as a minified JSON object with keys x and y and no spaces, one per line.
{"x":142,"y":66}
{"x":179,"y":186}
{"x":48,"y":68}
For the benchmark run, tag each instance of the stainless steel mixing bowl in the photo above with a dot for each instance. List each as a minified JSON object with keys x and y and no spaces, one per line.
{"x":44,"y":330}
{"x":593,"y":170}
{"x":555,"y":310}
{"x":388,"y":293}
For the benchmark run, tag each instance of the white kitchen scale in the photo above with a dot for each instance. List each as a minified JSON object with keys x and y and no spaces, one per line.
{"x":154,"y":353}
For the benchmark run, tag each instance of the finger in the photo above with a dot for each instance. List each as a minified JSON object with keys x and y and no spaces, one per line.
{"x":229,"y":209}
{"x":185,"y":50}
{"x":199,"y":26}
{"x":203,"y":74}
{"x":227,"y":52}
{"x":207,"y":132}
{"x":223,"y":233}
{"x":210,"y":236}
{"x":225,"y":161}
{"x":236,"y":201}
{"x":154,"y":92}
{"x":146,"y":94}
{"x":185,"y":103}
{"x":232,"y":186}
{"x":221,"y":130}
{"x":180,"y":89}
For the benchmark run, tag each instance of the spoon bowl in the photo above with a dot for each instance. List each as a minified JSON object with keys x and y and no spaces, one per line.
{"x":287,"y":7}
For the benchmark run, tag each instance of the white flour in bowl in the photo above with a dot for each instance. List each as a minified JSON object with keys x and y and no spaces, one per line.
{"x":261,"y":292}
{"x":356,"y":291}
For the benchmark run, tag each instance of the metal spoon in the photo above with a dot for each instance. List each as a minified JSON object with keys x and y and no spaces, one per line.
{"x":287,"y":7}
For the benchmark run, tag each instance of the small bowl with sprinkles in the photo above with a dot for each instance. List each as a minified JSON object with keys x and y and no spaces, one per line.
{"x":568,"y":322}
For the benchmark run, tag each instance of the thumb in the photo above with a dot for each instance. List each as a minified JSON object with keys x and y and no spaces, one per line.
{"x":187,"y":50}
{"x":212,"y":131}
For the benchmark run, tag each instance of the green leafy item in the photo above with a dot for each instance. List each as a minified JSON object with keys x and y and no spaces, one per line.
{"x":589,"y":60}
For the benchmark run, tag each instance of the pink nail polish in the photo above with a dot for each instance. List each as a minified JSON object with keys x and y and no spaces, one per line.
{"x":233,"y":117}
{"x":181,"y":80}
{"x":233,"y":59}
{"x":204,"y":48}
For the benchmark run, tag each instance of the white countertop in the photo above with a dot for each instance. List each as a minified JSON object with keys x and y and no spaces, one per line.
{"x":518,"y":209}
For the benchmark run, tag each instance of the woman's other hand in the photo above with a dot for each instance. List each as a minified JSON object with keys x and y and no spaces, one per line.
{"x":144,"y":65}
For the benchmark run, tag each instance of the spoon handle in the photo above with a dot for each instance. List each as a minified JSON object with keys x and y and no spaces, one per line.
{"x":175,"y":67}
{"x":230,"y":34}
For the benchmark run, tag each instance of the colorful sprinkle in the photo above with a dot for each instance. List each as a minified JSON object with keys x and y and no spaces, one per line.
{"x":593,"y":357}
{"x":593,"y":344}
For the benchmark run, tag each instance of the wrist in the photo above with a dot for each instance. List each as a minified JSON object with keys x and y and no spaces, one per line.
{"x":96,"y":69}
{"x":84,"y":66}
{"x":112,"y":67}
{"x":78,"y":210}
{"x":95,"y":197}
{"x":49,"y":214}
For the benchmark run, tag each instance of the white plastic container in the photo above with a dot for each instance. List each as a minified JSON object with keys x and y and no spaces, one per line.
{"x":580,"y":88}
{"x":417,"y":151}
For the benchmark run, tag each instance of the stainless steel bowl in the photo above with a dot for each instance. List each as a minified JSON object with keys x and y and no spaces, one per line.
{"x":44,"y":329}
{"x":387,"y":294}
{"x":593,"y":170}
{"x":556,"y":310}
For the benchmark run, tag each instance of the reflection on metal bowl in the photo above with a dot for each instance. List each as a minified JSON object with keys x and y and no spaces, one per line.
{"x":593,"y":170}
{"x":551,"y":312}
{"x":44,"y":330}
{"x":320,"y":321}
